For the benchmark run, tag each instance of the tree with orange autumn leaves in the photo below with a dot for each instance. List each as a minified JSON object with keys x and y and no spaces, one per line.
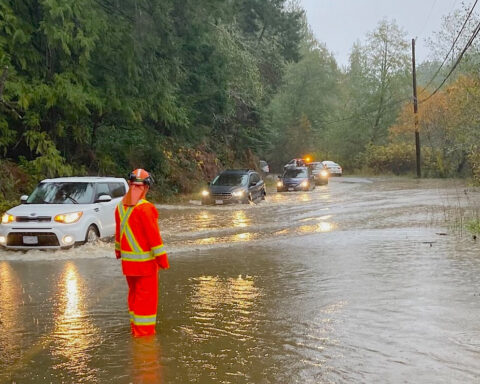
{"x":449,"y":124}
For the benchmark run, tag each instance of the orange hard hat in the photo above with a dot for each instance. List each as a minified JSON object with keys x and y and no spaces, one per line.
{"x":140,"y":176}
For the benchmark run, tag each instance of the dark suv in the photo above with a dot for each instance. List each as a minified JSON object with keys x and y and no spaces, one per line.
{"x":296,"y":179}
{"x":235,"y":186}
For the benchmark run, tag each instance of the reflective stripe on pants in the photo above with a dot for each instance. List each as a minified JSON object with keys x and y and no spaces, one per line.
{"x":142,"y":303}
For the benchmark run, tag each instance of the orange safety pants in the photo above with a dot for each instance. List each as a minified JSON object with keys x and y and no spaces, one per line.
{"x":142,"y":303}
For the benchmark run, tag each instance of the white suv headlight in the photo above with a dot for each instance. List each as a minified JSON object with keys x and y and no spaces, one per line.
{"x":238,"y":193}
{"x":68,"y":218}
{"x":6,"y":218}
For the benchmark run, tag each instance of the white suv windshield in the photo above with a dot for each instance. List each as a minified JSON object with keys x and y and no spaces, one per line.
{"x":62,"y":193}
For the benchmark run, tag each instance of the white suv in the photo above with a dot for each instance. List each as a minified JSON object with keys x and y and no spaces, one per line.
{"x":62,"y":212}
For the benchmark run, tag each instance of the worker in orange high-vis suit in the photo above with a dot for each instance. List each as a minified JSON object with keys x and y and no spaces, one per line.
{"x":139,"y":244}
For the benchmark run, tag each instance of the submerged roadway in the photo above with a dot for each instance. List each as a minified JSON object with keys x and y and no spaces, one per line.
{"x":361,"y":281}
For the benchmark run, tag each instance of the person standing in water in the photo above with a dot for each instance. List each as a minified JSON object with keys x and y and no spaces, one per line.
{"x":139,"y":245}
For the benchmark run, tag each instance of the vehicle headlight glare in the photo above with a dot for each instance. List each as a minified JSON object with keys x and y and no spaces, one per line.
{"x":68,"y":218}
{"x":324,"y":173}
{"x":205,"y":193}
{"x":279,"y":184}
{"x":3,"y":239}
{"x":237,"y":194}
{"x":6,"y":218}
{"x":67,"y":239}
{"x":304,"y":184}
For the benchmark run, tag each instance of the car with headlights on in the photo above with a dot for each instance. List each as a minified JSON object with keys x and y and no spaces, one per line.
{"x":234,"y":186}
{"x":320,"y":172}
{"x":333,"y":168}
{"x":296,"y":179}
{"x":62,"y":212}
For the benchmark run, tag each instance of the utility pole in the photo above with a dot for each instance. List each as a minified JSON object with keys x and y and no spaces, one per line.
{"x":415,"y":111}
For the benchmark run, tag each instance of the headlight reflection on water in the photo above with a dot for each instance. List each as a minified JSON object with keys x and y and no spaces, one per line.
{"x":10,"y":301}
{"x":207,"y":240}
{"x":240,"y":237}
{"x":233,"y":297}
{"x":323,"y":226}
{"x":74,"y":334}
{"x":240,"y":219}
{"x":203,"y":220}
{"x":243,"y":237}
{"x":305,"y":197}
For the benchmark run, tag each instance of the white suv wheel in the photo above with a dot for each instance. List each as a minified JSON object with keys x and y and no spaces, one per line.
{"x":92,"y":234}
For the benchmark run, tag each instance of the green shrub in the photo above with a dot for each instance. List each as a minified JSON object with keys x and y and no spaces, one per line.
{"x":474,"y":226}
{"x":474,"y":160}
{"x":14,"y":181}
{"x":392,"y":158}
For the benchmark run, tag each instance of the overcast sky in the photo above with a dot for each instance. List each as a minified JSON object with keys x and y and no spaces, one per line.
{"x":339,"y":23}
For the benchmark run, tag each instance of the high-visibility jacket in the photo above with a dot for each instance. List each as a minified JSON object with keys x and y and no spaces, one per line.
{"x":137,"y":239}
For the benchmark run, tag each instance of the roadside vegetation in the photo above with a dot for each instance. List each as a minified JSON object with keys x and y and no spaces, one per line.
{"x":474,"y":226}
{"x":185,"y":89}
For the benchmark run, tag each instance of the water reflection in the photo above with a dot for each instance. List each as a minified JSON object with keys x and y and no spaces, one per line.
{"x":203,"y":220}
{"x":234,"y":298}
{"x":278,"y":197}
{"x":75,"y":335}
{"x":323,"y":226}
{"x":240,"y":220}
{"x":207,"y":240}
{"x":146,"y":361}
{"x":305,"y":197}
{"x":325,"y":196}
{"x":321,"y":218}
{"x":10,"y":320}
{"x":239,"y":237}
{"x":243,"y":237}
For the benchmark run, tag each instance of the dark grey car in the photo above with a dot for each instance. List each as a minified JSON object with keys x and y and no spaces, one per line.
{"x":235,"y":186}
{"x":296,"y":179}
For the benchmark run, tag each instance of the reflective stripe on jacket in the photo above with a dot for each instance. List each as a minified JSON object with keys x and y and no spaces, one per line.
{"x":138,"y":239}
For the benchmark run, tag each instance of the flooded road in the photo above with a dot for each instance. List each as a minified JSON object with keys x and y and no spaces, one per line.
{"x":360,"y":281}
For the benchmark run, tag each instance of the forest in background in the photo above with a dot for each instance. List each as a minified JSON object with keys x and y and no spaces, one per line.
{"x":183,"y":89}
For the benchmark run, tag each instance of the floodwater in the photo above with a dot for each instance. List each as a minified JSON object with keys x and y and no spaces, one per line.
{"x":360,"y":281}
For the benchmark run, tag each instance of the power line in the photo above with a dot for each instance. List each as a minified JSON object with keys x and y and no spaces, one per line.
{"x":469,"y":43}
{"x":453,"y":45}
{"x":428,"y":18}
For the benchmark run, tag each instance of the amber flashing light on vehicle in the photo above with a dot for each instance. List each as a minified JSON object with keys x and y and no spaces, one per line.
{"x":68,"y":218}
{"x":308,"y":159}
